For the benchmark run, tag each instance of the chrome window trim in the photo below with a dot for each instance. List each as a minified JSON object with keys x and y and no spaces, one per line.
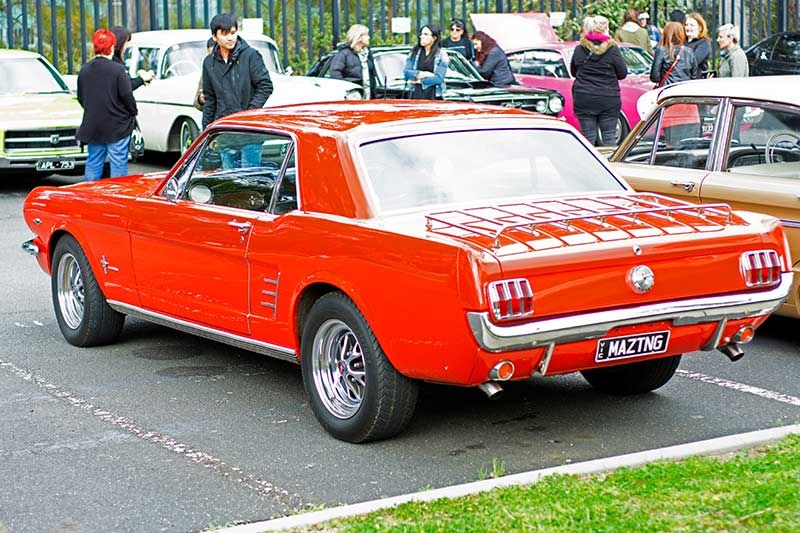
{"x":576,"y":327}
{"x":238,"y":341}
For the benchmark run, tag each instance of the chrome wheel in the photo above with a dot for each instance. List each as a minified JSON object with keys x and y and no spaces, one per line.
{"x":338,"y":367}
{"x":69,"y":288}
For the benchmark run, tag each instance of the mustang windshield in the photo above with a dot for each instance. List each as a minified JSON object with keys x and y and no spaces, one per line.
{"x":29,"y":75}
{"x":390,"y":66}
{"x":481,"y":165}
{"x":187,"y":58}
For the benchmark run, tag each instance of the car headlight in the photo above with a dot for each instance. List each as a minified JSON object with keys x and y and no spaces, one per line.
{"x":556,"y":103}
{"x":541,"y":106}
{"x":353,"y":94}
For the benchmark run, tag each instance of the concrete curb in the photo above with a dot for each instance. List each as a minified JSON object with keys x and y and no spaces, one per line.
{"x":681,"y":451}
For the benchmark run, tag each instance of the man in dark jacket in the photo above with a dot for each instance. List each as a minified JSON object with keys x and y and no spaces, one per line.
{"x":234,"y":75}
{"x":109,"y":110}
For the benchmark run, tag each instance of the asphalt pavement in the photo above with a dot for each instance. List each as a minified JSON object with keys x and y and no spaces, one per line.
{"x":163,"y":431}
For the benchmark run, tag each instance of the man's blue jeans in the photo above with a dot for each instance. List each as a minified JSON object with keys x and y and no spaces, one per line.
{"x":117,"y":153}
{"x":249,"y":157}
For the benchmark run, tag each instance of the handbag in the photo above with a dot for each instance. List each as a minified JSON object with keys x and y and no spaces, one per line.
{"x":136,"y":144}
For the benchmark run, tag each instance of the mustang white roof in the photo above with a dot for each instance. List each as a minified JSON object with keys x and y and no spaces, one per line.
{"x":169,"y":37}
{"x":783,"y":89}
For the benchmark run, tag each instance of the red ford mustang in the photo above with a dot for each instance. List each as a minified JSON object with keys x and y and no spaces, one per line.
{"x":383,"y":244}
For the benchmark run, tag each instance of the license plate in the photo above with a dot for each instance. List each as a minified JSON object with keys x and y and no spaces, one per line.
{"x":631,"y":346}
{"x":55,"y":164}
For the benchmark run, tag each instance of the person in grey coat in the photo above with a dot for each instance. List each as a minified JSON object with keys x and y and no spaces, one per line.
{"x":732,"y":59}
{"x":234,"y":75}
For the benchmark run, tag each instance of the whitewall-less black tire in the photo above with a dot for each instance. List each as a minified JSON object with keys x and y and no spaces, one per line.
{"x":354,"y":391}
{"x":83,"y":315}
{"x":633,"y":378}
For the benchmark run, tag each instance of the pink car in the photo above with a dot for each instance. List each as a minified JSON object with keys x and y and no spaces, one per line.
{"x":539,"y":59}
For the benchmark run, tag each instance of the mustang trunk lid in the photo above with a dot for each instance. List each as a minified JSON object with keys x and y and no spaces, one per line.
{"x":584,"y":250}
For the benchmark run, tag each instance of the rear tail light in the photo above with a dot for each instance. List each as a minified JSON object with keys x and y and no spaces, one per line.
{"x":761,"y":268}
{"x":511,"y":298}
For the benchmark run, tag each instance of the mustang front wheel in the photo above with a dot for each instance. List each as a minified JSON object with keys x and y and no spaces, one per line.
{"x":82,"y":313}
{"x":633,"y":378}
{"x":354,"y":391}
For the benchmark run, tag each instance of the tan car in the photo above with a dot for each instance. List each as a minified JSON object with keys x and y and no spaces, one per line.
{"x":724,"y":140}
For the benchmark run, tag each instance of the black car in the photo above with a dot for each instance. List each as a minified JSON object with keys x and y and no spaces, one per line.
{"x":775,"y":55}
{"x":462,"y":82}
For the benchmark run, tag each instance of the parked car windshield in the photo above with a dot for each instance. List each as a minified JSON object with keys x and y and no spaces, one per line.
{"x":187,"y":58}
{"x":480,"y":165}
{"x":29,"y":75}
{"x":636,"y":59}
{"x":389,"y":66}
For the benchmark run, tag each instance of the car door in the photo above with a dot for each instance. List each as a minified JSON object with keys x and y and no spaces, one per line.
{"x":760,"y":168}
{"x":189,"y":245}
{"x":760,"y":54}
{"x":785,"y":56}
{"x":672,"y":152}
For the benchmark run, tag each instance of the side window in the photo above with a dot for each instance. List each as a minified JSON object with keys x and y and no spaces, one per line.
{"x":682,"y":136}
{"x":539,"y":63}
{"x":765,"y":137}
{"x":147,"y":59}
{"x":787,"y":50}
{"x":238,"y":169}
{"x":286,"y":198}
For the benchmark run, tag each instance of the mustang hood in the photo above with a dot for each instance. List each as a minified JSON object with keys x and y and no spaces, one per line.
{"x":32,"y":111}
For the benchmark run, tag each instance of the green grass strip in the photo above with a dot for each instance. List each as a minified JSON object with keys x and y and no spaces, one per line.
{"x":752,"y":490}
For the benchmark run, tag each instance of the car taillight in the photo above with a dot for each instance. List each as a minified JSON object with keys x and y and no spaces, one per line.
{"x":760,"y":268}
{"x":511,"y":298}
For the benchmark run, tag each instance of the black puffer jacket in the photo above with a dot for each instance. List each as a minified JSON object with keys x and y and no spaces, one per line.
{"x":597,"y":67}
{"x":241,"y":83}
{"x":346,"y":65}
{"x":685,"y":69}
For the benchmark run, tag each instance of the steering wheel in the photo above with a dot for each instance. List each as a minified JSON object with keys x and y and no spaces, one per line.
{"x":769,"y":148}
{"x":180,"y":65}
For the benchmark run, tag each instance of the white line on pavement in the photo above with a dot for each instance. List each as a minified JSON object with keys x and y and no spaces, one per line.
{"x":741,"y":387}
{"x":203,"y":459}
{"x":681,"y":451}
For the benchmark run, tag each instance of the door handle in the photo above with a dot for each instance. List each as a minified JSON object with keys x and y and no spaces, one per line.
{"x":241,"y":227}
{"x":688,"y":186}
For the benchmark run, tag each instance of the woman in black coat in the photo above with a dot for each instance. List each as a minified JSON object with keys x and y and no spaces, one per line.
{"x":597,"y":66}
{"x":492,"y":61}
{"x":673,"y":61}
{"x":697,"y":39}
{"x":353,"y":61}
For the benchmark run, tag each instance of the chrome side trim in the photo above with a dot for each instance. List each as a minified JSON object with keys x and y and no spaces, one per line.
{"x":264,"y":348}
{"x":30,"y":248}
{"x":494,"y":338}
{"x":790,"y":223}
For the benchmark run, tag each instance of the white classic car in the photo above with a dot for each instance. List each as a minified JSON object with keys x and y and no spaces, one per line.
{"x":168,"y":120}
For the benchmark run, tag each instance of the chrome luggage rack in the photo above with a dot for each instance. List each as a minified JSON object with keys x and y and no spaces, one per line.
{"x":572,"y":216}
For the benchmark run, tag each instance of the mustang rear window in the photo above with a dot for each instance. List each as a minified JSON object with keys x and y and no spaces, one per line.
{"x":479,"y":165}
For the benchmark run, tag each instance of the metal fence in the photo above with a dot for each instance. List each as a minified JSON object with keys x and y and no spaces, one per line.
{"x":61,"y":29}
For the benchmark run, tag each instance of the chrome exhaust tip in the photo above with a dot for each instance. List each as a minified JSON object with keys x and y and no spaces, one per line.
{"x":733,"y":351}
{"x":491,"y":389}
{"x":30,"y":248}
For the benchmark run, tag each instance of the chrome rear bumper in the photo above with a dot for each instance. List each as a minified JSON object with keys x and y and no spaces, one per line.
{"x":494,"y":338}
